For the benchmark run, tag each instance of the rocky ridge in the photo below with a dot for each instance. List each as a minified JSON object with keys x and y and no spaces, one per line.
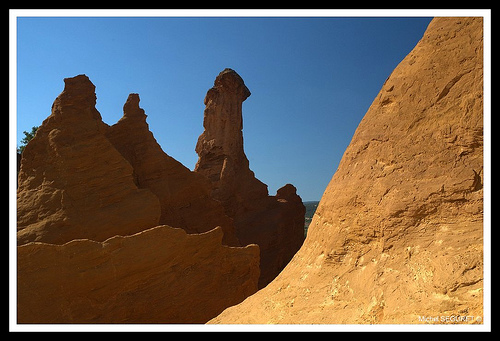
{"x":159,"y":275}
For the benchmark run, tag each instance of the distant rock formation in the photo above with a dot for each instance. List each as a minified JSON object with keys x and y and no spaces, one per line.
{"x":276,"y":224}
{"x":73,"y":183}
{"x":160,"y":275}
{"x":184,"y":195}
{"x":398,"y":234}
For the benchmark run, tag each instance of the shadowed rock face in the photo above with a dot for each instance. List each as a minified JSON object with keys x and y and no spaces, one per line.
{"x":220,"y":147}
{"x":184,"y":195}
{"x":398,"y":234}
{"x":73,"y":183}
{"x":275,"y":223}
{"x":160,"y":275}
{"x":90,"y":199}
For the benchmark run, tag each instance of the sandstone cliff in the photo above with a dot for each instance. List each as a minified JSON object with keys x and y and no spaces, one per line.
{"x":160,"y":275}
{"x":184,"y":195}
{"x":398,"y":232}
{"x":73,"y":183}
{"x":275,"y":223}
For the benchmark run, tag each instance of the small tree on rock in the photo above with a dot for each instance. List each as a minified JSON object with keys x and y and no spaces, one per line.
{"x":27,"y":138}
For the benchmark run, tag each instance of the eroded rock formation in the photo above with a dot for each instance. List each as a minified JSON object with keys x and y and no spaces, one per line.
{"x":160,"y":275}
{"x":220,"y":147}
{"x":275,"y":223}
{"x":73,"y":183}
{"x":90,"y":248}
{"x":184,"y":195}
{"x":398,"y":234}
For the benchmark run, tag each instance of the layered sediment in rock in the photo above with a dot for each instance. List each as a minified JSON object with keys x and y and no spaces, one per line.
{"x":160,"y":275}
{"x":73,"y":183}
{"x":184,"y":195}
{"x":275,"y":223}
{"x":398,"y":234}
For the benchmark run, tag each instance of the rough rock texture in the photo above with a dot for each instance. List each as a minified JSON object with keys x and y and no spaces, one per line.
{"x":160,"y":275}
{"x":73,"y":183}
{"x":220,"y":147}
{"x":88,"y":251}
{"x":184,"y":195}
{"x":276,"y":224}
{"x":398,"y":234}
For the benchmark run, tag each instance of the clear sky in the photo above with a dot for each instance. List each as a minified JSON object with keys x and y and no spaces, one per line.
{"x":312,"y":80}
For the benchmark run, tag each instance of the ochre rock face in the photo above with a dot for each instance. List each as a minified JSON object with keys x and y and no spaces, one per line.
{"x":73,"y":183}
{"x":398,"y":234}
{"x":275,"y":223}
{"x":184,"y":195}
{"x":160,"y":275}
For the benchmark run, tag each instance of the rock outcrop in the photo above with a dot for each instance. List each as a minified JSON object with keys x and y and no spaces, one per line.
{"x":73,"y":183}
{"x":398,"y":234}
{"x":160,"y":275}
{"x":184,"y":195}
{"x":220,"y":147}
{"x":275,"y":223}
{"x":90,"y":199}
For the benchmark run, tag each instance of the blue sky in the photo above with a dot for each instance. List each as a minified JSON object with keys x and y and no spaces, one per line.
{"x":312,"y":80}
